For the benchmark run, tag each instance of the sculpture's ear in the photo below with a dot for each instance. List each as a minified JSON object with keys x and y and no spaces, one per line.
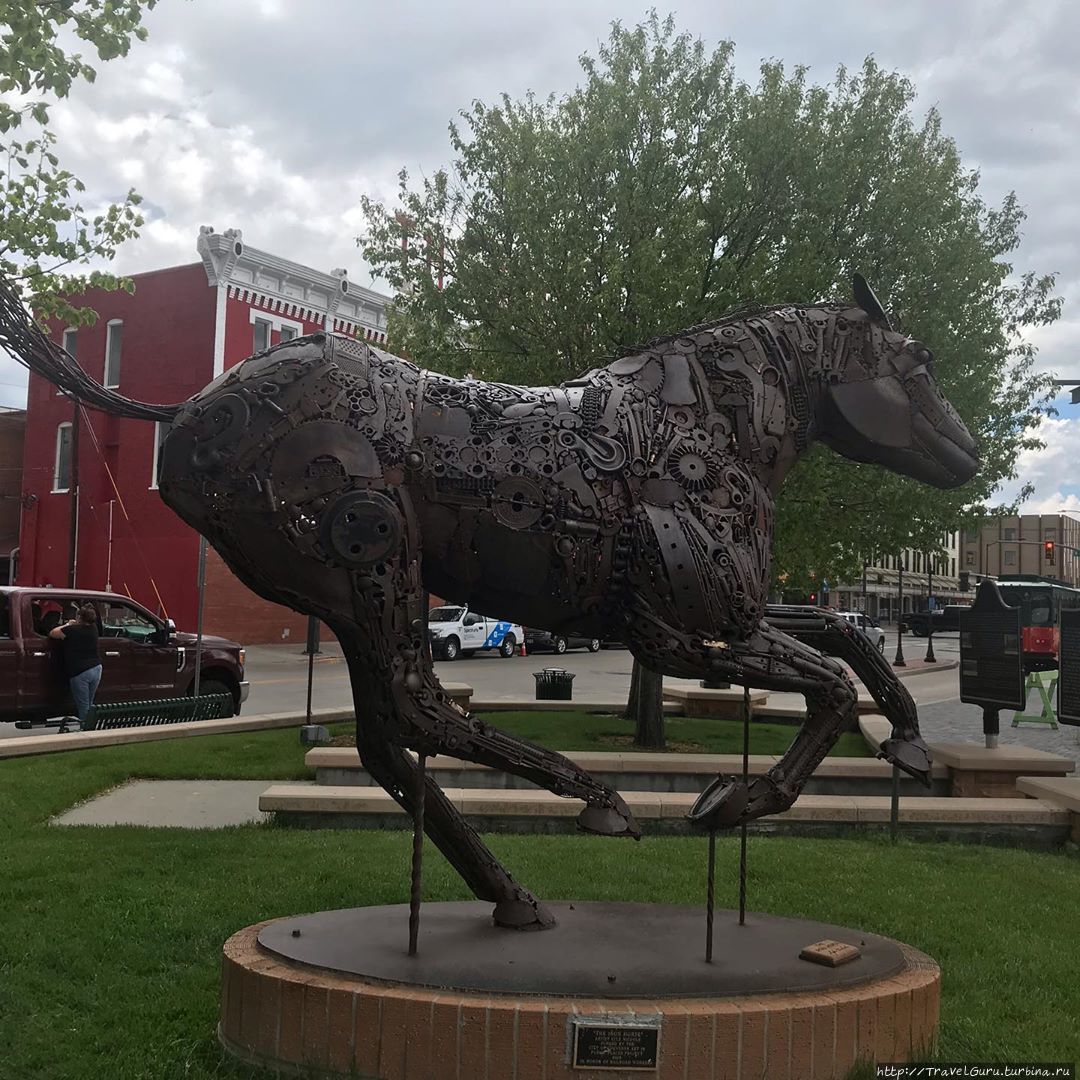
{"x":865,"y":298}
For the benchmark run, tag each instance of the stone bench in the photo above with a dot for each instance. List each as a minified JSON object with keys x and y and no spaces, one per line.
{"x":976,"y":771}
{"x":1030,"y":822}
{"x":699,"y":702}
{"x":337,"y":766}
{"x":1060,"y":791}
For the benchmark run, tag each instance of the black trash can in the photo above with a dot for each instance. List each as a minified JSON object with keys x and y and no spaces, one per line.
{"x":554,"y":684}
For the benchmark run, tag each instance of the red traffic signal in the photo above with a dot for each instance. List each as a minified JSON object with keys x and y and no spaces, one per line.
{"x":813,"y":598}
{"x":1048,"y":551}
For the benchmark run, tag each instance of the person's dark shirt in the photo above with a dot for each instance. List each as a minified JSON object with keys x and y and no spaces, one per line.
{"x":80,"y":649}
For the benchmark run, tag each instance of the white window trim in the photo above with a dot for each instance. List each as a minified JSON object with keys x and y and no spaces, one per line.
{"x":56,"y":461}
{"x":276,"y":321}
{"x":108,"y":338}
{"x":63,"y":345}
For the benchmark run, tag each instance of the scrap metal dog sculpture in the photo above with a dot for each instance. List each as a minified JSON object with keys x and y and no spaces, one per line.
{"x":634,"y":502}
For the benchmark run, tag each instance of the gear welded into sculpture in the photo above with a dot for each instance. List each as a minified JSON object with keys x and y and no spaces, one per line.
{"x":634,"y":502}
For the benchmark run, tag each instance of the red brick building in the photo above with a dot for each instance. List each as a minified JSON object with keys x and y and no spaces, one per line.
{"x":12,"y":433}
{"x":179,"y":330}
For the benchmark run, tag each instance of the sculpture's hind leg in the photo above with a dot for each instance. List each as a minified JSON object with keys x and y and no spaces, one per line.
{"x":906,"y":748}
{"x":400,"y":704}
{"x":769,"y":660}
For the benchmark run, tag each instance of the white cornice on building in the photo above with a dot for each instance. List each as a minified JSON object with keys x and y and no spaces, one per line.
{"x":285,"y":287}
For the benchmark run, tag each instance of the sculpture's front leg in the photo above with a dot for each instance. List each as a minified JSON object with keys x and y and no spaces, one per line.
{"x":769,"y":660}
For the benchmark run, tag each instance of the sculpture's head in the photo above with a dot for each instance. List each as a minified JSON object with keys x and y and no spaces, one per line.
{"x":267,"y":465}
{"x":886,"y":407}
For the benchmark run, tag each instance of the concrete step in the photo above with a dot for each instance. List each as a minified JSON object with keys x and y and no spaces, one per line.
{"x":653,"y":772}
{"x":1018,"y":820}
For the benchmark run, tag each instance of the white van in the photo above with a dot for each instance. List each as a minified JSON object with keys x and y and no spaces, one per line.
{"x":456,"y":630}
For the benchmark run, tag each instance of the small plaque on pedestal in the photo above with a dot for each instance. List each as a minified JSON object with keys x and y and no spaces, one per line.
{"x":830,"y":953}
{"x":626,"y":1044}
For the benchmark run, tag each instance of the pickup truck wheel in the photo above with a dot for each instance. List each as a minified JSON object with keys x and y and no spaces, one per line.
{"x":214,"y":686}
{"x":594,"y":645}
{"x":506,"y":649}
{"x":451,"y":649}
{"x":558,"y":646}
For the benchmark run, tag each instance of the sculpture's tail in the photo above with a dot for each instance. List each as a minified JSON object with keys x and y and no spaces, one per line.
{"x":25,"y":342}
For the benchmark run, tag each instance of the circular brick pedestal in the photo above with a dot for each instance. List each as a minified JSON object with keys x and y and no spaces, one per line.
{"x":329,"y":1019}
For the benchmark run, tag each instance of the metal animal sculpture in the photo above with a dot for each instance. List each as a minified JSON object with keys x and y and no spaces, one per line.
{"x":633,"y":502}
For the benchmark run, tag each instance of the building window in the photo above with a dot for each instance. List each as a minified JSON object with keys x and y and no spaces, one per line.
{"x":1008,"y":534}
{"x":114,"y":333}
{"x":1051,"y":534}
{"x":1010,"y":558}
{"x":969,"y":558}
{"x":287,"y":333}
{"x":62,"y":467}
{"x":161,"y":429}
{"x":71,"y":343}
{"x":953,"y":574}
{"x":261,"y":336}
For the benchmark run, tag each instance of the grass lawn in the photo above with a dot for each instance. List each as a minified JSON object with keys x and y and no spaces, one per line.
{"x":111,"y":938}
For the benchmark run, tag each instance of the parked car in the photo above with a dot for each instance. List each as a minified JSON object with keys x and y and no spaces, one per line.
{"x":944,"y":619}
{"x":868,"y":626}
{"x":142,"y":656}
{"x":547,"y":641}
{"x":455,"y":630}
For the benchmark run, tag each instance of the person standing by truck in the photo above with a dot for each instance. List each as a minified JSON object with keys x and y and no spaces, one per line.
{"x":81,"y":660}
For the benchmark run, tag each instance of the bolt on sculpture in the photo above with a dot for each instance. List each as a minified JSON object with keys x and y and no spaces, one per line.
{"x":633,"y":502}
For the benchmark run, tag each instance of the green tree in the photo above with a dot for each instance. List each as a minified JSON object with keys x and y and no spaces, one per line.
{"x":45,"y":230}
{"x":662,"y":192}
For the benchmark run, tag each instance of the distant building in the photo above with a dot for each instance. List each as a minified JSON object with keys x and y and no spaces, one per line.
{"x":181,"y":328}
{"x":12,"y":433}
{"x":924,"y":576}
{"x":1005,"y":546}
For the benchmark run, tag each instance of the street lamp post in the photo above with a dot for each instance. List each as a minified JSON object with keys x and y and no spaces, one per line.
{"x":898,"y":660}
{"x":930,"y":658}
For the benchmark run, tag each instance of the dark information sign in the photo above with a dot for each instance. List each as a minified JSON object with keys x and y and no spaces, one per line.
{"x":1068,"y":710}
{"x":991,"y":661}
{"x":608,"y":1043}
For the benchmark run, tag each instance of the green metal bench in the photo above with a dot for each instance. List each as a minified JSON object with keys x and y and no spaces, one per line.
{"x":161,"y":711}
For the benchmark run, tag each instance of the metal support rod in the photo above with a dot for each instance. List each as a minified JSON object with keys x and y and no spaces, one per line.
{"x":746,"y":780}
{"x":898,"y":660}
{"x":417,"y":853}
{"x":930,"y":658}
{"x":312,"y":648}
{"x":199,"y":618}
{"x":991,"y":727}
{"x":710,"y":897}
{"x":894,"y":805}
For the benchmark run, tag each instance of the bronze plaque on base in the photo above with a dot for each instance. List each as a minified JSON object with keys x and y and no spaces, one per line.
{"x":830,"y":953}
{"x":613,"y":1042}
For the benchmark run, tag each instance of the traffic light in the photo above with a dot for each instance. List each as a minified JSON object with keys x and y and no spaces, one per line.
{"x":1048,"y":551}
{"x":813,"y":598}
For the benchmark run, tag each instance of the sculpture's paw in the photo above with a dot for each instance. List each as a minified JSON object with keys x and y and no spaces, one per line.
{"x":523,"y":913}
{"x":614,"y":820}
{"x":910,"y":755}
{"x":721,"y":804}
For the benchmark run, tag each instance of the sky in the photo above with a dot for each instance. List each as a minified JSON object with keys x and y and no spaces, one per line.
{"x":275,"y":116}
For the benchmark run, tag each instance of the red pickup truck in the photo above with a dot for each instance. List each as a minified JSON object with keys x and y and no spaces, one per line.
{"x":142,"y":656}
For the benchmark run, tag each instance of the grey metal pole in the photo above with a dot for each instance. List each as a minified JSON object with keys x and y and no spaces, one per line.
{"x":898,"y":660}
{"x":746,"y":780}
{"x":199,"y":620}
{"x":417,"y":854}
{"x":894,"y":805}
{"x":930,"y":658}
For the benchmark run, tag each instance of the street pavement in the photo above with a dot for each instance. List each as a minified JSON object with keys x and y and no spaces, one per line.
{"x":278,"y":676}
